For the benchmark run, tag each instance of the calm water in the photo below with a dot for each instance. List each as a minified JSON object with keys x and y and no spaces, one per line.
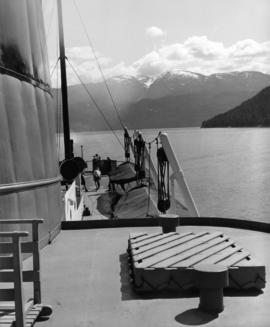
{"x":227,"y":170}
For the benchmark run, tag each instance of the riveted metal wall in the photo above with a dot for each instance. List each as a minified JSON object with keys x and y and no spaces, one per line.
{"x":29,"y":175}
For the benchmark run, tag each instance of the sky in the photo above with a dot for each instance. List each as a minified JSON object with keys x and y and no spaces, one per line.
{"x":151,"y":37}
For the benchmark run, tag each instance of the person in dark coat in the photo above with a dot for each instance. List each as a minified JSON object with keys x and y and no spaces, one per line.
{"x":83,"y":183}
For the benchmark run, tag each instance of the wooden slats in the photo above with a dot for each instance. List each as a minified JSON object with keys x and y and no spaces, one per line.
{"x":159,"y":259}
{"x":7,"y":247}
{"x":189,"y":252}
{"x":235,"y":258}
{"x":8,"y":320}
{"x":8,"y":276}
{"x":202,"y":255}
{"x":6,"y":262}
{"x":133,"y":237}
{"x":152,"y":239}
{"x":171,"y":256}
{"x":12,"y":271}
{"x":21,"y":221}
{"x":13,"y":234}
{"x":216,"y":257}
{"x":7,"y":294}
{"x":183,"y":238}
{"x":159,"y":243}
{"x":142,"y":237}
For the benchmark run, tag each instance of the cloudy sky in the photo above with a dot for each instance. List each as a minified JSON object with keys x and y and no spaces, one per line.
{"x":149,"y":37}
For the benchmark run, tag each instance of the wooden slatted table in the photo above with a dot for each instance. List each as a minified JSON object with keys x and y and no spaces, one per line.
{"x":165,"y":261}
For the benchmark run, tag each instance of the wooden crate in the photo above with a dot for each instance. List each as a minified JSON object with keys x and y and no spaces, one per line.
{"x":165,"y":261}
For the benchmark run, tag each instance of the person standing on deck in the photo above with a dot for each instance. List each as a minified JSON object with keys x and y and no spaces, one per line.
{"x":97,"y":177}
{"x":83,"y":183}
{"x":96,"y":162}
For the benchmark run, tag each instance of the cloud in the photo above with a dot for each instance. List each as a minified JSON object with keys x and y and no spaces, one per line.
{"x":84,"y":63}
{"x":197,"y":54}
{"x":201,"y":55}
{"x":155,"y":32}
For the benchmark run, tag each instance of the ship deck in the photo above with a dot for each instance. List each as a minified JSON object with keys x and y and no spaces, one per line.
{"x":85,"y":278}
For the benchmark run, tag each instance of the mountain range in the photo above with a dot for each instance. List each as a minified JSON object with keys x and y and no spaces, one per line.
{"x":173,"y":99}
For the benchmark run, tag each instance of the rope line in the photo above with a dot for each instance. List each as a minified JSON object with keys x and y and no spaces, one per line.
{"x":127,"y":144}
{"x":51,"y":74}
{"x":95,"y":103}
{"x":50,"y":19}
{"x":149,"y":181}
{"x":99,"y":67}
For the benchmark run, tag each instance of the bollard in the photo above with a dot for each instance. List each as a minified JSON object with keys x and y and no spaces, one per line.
{"x":168,"y":222}
{"x":211,"y":279}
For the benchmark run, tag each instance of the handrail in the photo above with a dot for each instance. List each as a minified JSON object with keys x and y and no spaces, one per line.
{"x":14,"y":234}
{"x":23,"y":186}
{"x":21,"y":221}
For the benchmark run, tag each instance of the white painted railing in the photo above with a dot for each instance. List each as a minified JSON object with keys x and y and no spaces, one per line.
{"x":178,"y":176}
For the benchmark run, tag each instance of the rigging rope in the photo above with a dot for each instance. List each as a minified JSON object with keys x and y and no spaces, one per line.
{"x":51,"y":74}
{"x":95,"y":103}
{"x":163,"y":181}
{"x":99,"y":67}
{"x":50,"y":19}
{"x":149,"y":182}
{"x":139,"y":147}
{"x":127,"y":144}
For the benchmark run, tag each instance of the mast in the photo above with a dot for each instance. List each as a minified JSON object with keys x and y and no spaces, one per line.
{"x":66,"y":130}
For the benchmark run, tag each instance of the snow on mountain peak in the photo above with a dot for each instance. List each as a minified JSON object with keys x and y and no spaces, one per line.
{"x":121,"y":78}
{"x":185,"y":73}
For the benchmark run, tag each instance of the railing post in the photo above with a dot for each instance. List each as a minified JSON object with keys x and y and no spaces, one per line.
{"x":178,"y":174}
{"x":36,"y":263}
{"x":18,"y":280}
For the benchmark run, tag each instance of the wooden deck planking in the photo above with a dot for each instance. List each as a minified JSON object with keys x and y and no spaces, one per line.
{"x":234,"y":259}
{"x":151,"y":240}
{"x":152,"y":251}
{"x":133,"y":237}
{"x":175,"y":253}
{"x":222,"y":255}
{"x":203,"y":256}
{"x":247,"y":262}
{"x":163,"y":242}
{"x":172,"y":261}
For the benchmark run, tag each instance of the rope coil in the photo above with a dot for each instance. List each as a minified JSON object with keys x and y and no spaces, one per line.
{"x":139,"y":148}
{"x":127,"y":143}
{"x":163,"y":181}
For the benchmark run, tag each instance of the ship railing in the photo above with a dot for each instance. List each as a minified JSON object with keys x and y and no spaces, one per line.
{"x":12,"y":272}
{"x":178,"y":176}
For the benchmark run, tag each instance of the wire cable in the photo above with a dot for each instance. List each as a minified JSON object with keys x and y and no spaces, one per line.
{"x":99,"y":66}
{"x":50,"y":19}
{"x":95,"y":103}
{"x":51,"y":74}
